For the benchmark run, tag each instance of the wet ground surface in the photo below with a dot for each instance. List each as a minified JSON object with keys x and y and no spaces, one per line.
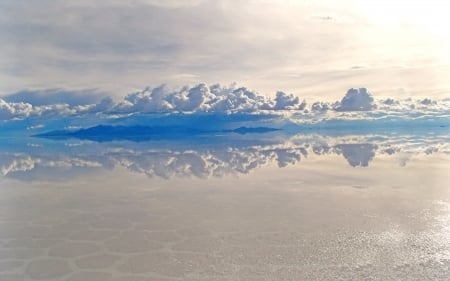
{"x":322,"y":219}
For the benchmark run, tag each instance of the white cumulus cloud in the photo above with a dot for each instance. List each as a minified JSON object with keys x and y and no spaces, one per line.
{"x":356,"y":100}
{"x":217,"y":99}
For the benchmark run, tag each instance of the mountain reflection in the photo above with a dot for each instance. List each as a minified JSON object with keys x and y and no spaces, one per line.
{"x":57,"y":160}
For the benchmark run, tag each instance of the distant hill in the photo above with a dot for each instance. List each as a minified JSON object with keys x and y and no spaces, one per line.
{"x":142,"y":133}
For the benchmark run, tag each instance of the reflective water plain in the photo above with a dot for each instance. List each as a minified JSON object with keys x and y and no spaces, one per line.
{"x":234,"y":207}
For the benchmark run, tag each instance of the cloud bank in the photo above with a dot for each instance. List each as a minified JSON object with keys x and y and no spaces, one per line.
{"x":206,"y":99}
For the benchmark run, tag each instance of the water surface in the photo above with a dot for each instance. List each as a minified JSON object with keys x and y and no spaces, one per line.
{"x":240,"y":207}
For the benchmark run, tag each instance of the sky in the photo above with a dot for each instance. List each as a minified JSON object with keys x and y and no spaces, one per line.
{"x":313,"y":49}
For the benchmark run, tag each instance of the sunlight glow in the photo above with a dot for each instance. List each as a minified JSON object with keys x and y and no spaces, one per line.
{"x":428,"y":15}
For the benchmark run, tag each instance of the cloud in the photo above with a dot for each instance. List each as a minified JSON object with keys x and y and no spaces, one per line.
{"x":356,"y":100}
{"x":389,"y":101}
{"x":51,"y":102}
{"x":284,"y":101}
{"x":200,"y":98}
{"x":23,"y":110}
{"x":232,"y":99}
{"x":55,"y":96}
{"x":6,"y":110}
{"x":320,"y":106}
{"x":14,"y":110}
{"x":427,"y":101}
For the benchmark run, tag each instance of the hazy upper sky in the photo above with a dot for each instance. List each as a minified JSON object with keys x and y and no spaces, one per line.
{"x":314,"y":49}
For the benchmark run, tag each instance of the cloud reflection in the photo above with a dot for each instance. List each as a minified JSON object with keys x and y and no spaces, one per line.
{"x":357,"y":154}
{"x":49,"y":159}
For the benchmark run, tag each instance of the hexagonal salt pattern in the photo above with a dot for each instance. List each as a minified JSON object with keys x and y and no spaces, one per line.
{"x":204,"y":233}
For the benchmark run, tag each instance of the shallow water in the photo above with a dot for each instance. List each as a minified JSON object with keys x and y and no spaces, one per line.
{"x":254,"y":207}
